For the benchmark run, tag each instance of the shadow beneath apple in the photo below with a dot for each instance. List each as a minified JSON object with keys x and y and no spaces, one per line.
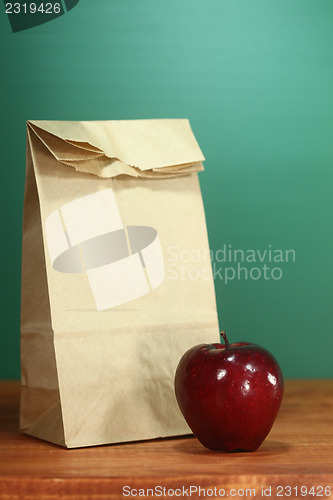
{"x":191,"y":446}
{"x":271,"y":446}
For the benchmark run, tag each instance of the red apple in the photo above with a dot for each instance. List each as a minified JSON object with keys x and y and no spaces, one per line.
{"x":229,"y":394}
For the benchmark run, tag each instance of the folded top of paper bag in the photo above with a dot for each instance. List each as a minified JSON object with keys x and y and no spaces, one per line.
{"x":139,"y":148}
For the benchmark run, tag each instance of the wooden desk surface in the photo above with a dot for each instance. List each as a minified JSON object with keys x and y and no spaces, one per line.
{"x":296,"y":456}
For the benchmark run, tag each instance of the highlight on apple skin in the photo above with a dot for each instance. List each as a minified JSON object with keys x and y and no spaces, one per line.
{"x":229,"y":394}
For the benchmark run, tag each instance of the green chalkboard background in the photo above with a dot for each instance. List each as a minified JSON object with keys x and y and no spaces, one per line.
{"x":255,"y":78}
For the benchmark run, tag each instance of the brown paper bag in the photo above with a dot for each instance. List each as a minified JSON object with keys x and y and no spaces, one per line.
{"x":111,"y":297}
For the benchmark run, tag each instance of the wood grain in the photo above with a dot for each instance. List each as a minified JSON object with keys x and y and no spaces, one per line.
{"x":298,"y":452}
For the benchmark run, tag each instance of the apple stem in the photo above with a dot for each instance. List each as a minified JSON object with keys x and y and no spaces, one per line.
{"x":225,"y":338}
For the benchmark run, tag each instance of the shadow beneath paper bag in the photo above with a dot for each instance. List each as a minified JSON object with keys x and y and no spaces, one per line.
{"x":10,"y":407}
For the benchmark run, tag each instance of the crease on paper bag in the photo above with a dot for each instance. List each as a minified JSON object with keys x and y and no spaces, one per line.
{"x":151,"y":149}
